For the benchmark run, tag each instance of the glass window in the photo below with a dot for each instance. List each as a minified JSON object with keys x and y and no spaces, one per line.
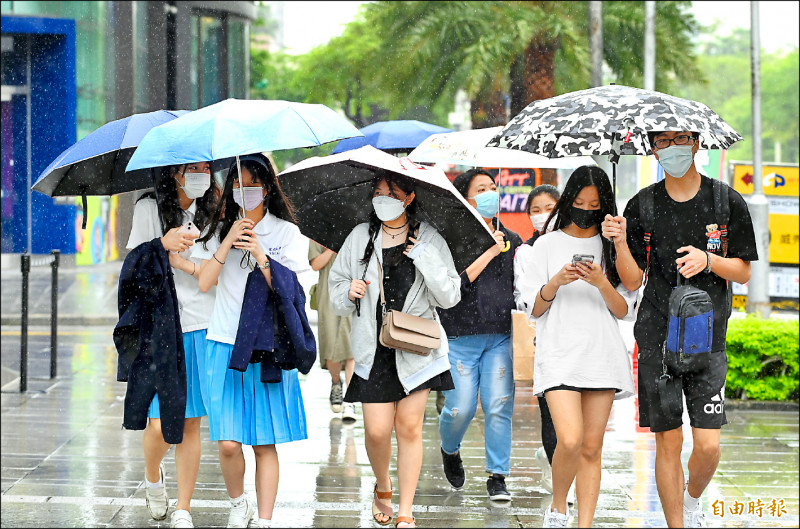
{"x":141,"y":96}
{"x":238,"y":58}
{"x":212,"y":46}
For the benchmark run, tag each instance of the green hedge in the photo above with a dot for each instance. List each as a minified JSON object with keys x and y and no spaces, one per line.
{"x":762,"y":359}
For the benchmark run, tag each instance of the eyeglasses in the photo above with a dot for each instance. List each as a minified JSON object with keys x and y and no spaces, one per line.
{"x":683,"y":139}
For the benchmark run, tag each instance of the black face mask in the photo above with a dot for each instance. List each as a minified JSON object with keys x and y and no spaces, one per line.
{"x":585,"y":218}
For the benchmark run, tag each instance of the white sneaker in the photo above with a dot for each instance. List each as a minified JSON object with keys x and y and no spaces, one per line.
{"x":547,"y":472}
{"x":349,"y":412}
{"x":181,"y":518}
{"x":695,"y":518}
{"x":255,"y":521}
{"x":156,"y":498}
{"x":553,"y":518}
{"x":240,"y":516}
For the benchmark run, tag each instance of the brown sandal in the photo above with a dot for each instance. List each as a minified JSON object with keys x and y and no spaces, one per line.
{"x":379,"y":508}
{"x":409,"y":521}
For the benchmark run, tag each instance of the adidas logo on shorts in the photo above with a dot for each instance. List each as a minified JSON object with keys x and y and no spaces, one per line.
{"x":716,"y":404}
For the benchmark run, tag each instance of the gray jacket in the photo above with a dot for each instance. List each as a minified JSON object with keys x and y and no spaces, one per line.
{"x":437,"y":284}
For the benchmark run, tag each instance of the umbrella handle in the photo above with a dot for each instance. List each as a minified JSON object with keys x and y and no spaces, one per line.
{"x":241,"y":190}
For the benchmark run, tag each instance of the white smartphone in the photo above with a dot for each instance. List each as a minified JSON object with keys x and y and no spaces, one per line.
{"x":582,"y":258}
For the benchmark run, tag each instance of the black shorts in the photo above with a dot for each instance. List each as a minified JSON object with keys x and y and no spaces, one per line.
{"x":704,"y":392}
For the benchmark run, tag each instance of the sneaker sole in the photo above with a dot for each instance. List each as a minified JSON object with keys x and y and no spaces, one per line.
{"x":500,"y":497}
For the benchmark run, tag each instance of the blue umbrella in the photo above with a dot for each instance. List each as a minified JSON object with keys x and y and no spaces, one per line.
{"x":236,"y":127}
{"x":402,"y":135}
{"x":95,"y":165}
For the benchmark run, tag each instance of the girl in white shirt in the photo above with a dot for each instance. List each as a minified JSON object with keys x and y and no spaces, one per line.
{"x":185,"y":198}
{"x":241,"y":408}
{"x":581,"y":362}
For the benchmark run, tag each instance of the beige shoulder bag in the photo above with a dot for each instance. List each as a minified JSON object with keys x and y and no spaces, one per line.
{"x":406,"y":332}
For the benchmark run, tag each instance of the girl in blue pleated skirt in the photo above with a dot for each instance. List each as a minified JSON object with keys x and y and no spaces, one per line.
{"x":180,"y":207}
{"x":241,"y":408}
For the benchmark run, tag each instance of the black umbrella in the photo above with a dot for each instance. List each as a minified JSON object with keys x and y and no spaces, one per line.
{"x":331,"y":195}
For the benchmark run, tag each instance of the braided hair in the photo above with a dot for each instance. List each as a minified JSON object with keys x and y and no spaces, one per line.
{"x":394,"y":183}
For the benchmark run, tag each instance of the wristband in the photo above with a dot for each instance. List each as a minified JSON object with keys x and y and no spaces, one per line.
{"x":708,"y":263}
{"x":217,"y":259}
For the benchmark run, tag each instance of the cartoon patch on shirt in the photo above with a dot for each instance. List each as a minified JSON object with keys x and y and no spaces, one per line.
{"x":714,"y":235}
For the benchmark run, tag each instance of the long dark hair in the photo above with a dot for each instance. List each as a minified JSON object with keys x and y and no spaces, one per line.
{"x":407,"y":187}
{"x":589,"y":175}
{"x":170,"y":213}
{"x":228,"y":212}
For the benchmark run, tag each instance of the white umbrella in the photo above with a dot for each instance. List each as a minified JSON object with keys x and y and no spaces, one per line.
{"x":331,"y":195}
{"x":468,"y":147}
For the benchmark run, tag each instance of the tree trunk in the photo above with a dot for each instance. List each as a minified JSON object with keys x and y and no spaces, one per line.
{"x":488,"y":110}
{"x":539,"y":83}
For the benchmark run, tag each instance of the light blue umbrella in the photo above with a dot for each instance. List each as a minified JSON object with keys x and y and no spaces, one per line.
{"x":236,"y":127}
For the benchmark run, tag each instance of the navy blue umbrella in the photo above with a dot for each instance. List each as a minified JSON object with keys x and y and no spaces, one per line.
{"x":403,"y":135}
{"x":95,"y":165}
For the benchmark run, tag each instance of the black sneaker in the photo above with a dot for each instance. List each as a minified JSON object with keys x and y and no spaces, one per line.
{"x":496,"y":486}
{"x":453,"y":469}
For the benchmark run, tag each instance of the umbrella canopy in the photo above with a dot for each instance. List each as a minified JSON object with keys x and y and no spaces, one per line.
{"x":468,"y":147}
{"x":95,"y":165}
{"x":400,"y":135}
{"x":331,"y":195}
{"x":236,"y":127}
{"x":611,"y":120}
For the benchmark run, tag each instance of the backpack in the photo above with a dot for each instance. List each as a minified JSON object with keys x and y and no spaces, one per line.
{"x":690,"y":327}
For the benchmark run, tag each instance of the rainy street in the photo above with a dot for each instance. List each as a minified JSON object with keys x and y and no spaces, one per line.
{"x":66,"y":462}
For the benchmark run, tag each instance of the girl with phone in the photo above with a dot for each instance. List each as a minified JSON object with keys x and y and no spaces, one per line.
{"x":180,"y":207}
{"x":581,"y":364}
{"x":243,"y":410}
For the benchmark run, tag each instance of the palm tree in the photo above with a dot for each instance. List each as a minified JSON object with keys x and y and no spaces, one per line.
{"x":507,"y":54}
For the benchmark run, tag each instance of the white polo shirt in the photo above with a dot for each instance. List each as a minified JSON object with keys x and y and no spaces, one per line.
{"x":194,"y":305}
{"x":281,"y":241}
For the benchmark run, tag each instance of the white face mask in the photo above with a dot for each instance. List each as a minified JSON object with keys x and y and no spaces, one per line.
{"x":539,"y":220}
{"x":196,"y":184}
{"x":253,"y":197}
{"x":387,"y":208}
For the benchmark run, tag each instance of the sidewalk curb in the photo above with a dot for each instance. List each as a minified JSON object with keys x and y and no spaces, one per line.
{"x":761,"y":405}
{"x":66,"y":320}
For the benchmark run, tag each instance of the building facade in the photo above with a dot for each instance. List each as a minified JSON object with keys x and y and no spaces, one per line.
{"x":71,"y":67}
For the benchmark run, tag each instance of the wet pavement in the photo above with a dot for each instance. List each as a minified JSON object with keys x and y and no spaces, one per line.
{"x":66,"y":462}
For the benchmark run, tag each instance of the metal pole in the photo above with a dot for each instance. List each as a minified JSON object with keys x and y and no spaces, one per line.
{"x":650,"y":45}
{"x":596,"y":41}
{"x":758,"y":287}
{"x":25,"y":264}
{"x":54,"y":315}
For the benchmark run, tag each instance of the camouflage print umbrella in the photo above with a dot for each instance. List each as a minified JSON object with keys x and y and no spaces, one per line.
{"x":610,"y":120}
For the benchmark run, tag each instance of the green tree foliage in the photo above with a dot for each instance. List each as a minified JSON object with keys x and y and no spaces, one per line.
{"x":726,"y":61}
{"x":762,"y":359}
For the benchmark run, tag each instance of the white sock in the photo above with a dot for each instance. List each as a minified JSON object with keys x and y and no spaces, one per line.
{"x":238,"y":502}
{"x":263,"y":522}
{"x":157,"y":485}
{"x":689,"y":502}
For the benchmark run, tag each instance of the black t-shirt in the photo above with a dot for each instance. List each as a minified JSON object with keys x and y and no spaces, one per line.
{"x":486,"y":303}
{"x":678,"y":224}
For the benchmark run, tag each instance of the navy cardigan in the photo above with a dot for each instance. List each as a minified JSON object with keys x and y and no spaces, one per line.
{"x":149,"y":341}
{"x":273,"y":326}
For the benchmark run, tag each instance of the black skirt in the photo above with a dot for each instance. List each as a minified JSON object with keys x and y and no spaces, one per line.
{"x":384,"y":384}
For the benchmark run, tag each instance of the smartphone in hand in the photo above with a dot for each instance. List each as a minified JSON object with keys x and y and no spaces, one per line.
{"x":189,"y":228}
{"x":582,"y":258}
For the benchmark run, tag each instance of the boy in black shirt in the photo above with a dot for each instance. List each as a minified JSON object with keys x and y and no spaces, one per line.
{"x":686,"y":232}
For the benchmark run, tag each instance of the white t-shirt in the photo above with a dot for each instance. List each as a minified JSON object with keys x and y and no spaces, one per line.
{"x":578,"y":341}
{"x":281,"y":240}
{"x":194,"y":305}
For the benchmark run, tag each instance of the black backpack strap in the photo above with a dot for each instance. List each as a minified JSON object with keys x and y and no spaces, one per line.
{"x":722,"y":211}
{"x":646,"y":216}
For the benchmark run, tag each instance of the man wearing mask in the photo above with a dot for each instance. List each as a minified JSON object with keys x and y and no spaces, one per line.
{"x":710,"y":247}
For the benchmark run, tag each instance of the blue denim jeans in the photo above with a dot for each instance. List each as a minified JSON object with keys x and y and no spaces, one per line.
{"x":481,"y":365}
